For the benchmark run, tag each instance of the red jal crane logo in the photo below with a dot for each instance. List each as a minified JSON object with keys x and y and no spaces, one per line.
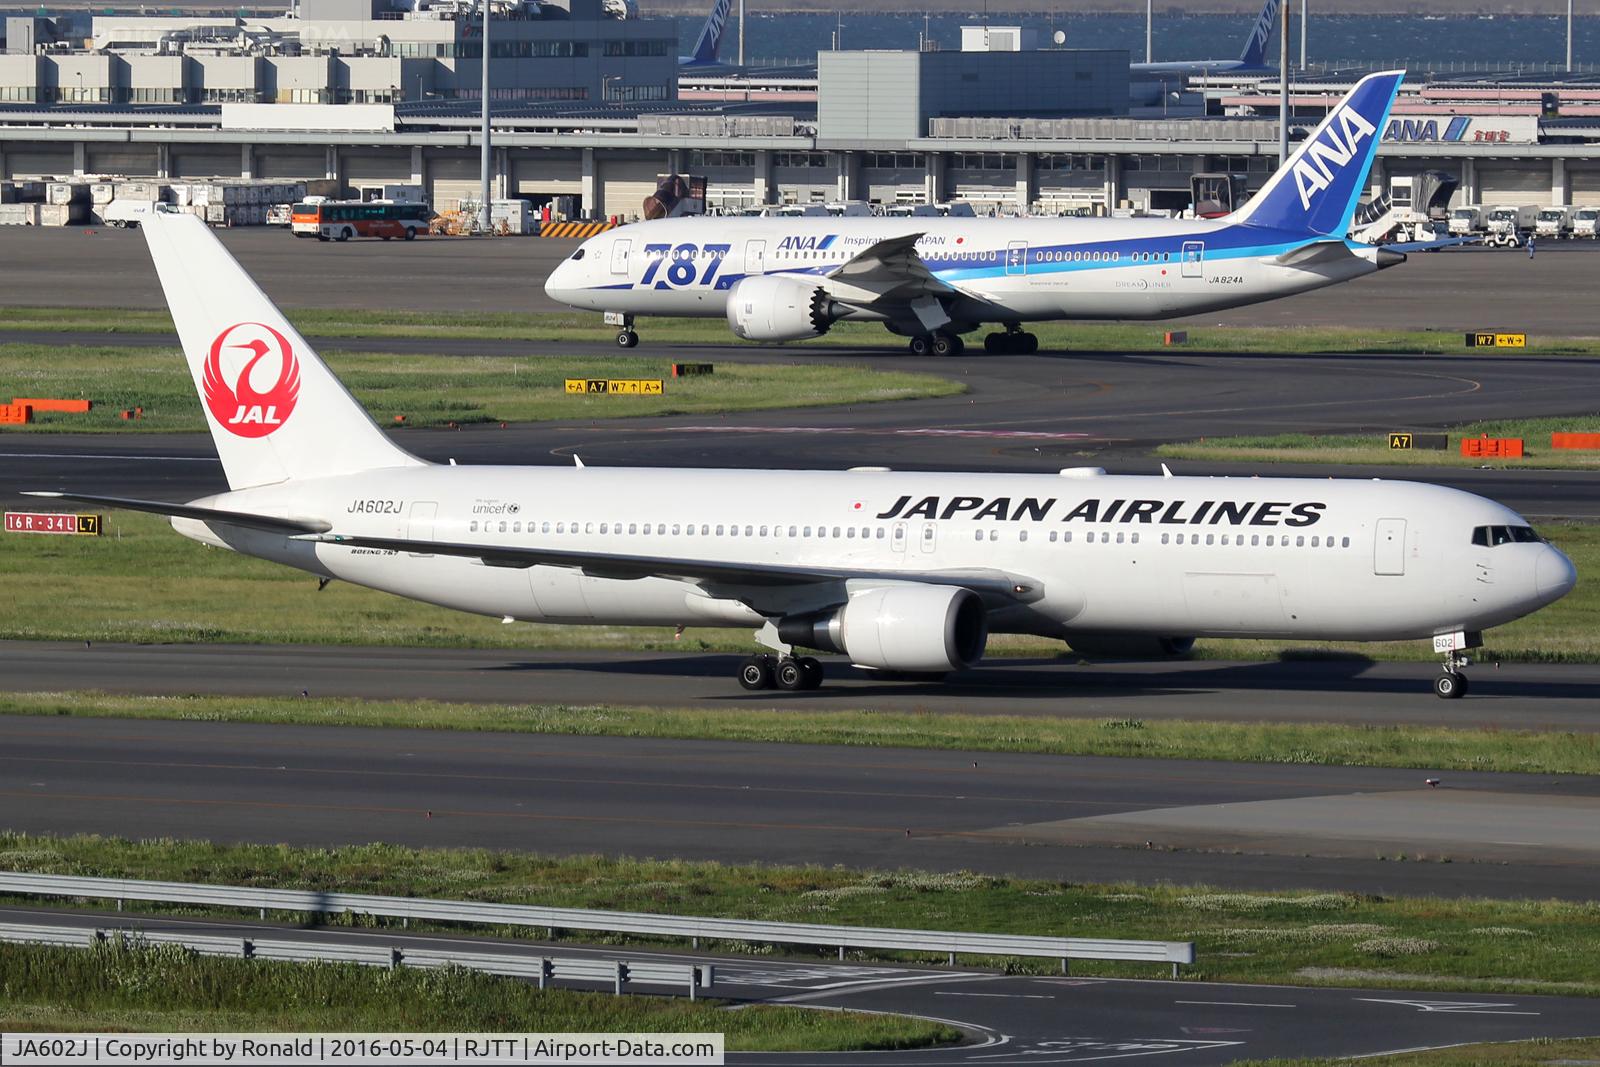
{"x":233,"y":392}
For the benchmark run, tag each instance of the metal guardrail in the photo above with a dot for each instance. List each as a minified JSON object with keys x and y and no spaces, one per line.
{"x":542,"y":969}
{"x":694,"y":929}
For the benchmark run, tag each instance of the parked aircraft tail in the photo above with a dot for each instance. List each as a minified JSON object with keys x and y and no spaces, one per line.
{"x":1254,"y":55}
{"x":1319,"y":185}
{"x":709,"y":44}
{"x":274,"y":408}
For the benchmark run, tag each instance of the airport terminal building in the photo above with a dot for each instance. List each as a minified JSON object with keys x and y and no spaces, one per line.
{"x":588,"y":111}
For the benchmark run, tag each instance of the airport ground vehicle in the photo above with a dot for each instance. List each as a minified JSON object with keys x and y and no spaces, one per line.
{"x":340,"y":220}
{"x":899,"y":572}
{"x":1415,"y":209}
{"x":1553,"y":223}
{"x":1508,"y":225}
{"x":932,"y":280}
{"x":1466,"y":220}
{"x":1585,"y":222}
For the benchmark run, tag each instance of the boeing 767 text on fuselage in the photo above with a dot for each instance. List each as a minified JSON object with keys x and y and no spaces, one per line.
{"x":935,"y":279}
{"x":897,"y":572}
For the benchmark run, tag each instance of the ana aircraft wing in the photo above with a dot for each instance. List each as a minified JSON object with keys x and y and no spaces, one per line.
{"x":889,"y":271}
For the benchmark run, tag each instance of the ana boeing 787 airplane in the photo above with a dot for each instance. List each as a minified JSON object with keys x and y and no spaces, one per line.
{"x":933,"y":280}
{"x":897,"y":572}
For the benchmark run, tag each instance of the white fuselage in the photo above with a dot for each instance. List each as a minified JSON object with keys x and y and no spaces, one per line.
{"x":1009,"y":270}
{"x":1267,"y":557}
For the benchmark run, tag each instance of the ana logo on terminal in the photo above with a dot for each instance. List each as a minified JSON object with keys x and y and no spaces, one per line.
{"x":251,"y":379}
{"x":1327,"y":155}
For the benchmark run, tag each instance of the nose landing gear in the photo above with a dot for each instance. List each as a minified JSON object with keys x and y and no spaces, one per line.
{"x":626,"y":337}
{"x":766,"y":671}
{"x":1452,"y":683}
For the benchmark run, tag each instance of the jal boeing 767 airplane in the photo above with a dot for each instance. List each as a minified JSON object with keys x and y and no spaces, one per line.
{"x":933,"y":280}
{"x":897,"y":572}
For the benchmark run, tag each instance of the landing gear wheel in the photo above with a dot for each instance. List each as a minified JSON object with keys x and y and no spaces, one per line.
{"x":943,"y":345}
{"x":994,"y":343}
{"x":812,"y":671}
{"x":790,"y":675}
{"x":1029,"y":343}
{"x":756,"y":672}
{"x":919,"y":346}
{"x":1451,"y":685}
{"x":627,"y":339}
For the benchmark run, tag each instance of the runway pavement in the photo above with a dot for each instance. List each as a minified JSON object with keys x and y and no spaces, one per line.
{"x":1014,"y":1020}
{"x":732,"y":802}
{"x":1513,"y":696}
{"x":1453,"y":290}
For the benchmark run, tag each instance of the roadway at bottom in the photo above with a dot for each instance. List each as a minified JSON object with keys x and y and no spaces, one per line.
{"x":1080,"y":819}
{"x":1021,"y":1020}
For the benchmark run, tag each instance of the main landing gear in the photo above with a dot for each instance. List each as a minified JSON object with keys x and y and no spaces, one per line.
{"x":939,"y":344}
{"x":765,"y":671}
{"x":1452,"y":683}
{"x":1013,"y":342}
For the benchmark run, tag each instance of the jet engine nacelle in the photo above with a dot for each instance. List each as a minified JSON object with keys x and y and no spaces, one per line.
{"x":913,"y":628}
{"x":772,"y":307}
{"x":1130,"y":646}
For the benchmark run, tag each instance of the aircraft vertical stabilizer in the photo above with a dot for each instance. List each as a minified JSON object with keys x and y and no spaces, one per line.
{"x":1254,"y":56}
{"x":1318,"y":186}
{"x":275,"y":410}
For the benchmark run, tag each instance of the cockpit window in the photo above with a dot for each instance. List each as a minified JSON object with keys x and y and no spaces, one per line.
{"x":577,"y":255}
{"x":1493,"y":536}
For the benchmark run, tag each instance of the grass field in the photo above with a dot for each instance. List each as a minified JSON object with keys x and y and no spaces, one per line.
{"x":121,"y":986}
{"x":143,"y":582}
{"x":1373,"y":448}
{"x":1539,"y":1052}
{"x":1332,"y":744}
{"x":581,"y":326}
{"x":435,"y":390}
{"x":1292,"y":937}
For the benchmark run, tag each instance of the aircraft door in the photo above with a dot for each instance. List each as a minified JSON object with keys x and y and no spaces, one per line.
{"x":1194,"y":259}
{"x":755,"y":257}
{"x":927,"y":538}
{"x":1017,"y":257}
{"x":420,"y":526}
{"x":619,"y":256}
{"x":897,"y":537}
{"x":1389,"y":548}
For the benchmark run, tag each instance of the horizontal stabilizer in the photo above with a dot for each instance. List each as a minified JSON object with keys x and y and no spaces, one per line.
{"x":269,"y":523}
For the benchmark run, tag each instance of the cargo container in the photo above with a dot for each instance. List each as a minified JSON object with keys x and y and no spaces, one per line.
{"x":58,"y":193}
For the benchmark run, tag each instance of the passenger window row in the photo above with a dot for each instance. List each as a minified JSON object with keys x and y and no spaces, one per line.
{"x":878,"y":533}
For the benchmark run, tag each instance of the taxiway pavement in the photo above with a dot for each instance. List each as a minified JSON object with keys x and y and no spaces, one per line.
{"x":1011,"y":1020}
{"x":1453,"y":290}
{"x":734,"y":802}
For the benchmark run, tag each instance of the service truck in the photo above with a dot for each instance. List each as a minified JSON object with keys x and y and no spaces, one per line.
{"x":1466,"y":220}
{"x":1585,"y":221}
{"x":1553,"y":223}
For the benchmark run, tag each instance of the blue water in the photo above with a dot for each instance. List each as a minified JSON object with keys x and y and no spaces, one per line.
{"x":1450,"y":42}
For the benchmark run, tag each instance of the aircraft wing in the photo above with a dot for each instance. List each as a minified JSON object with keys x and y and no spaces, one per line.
{"x":889,"y":271}
{"x":987,"y":582}
{"x":267,"y":523}
{"x":696,"y":570}
{"x":1429,"y":246}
